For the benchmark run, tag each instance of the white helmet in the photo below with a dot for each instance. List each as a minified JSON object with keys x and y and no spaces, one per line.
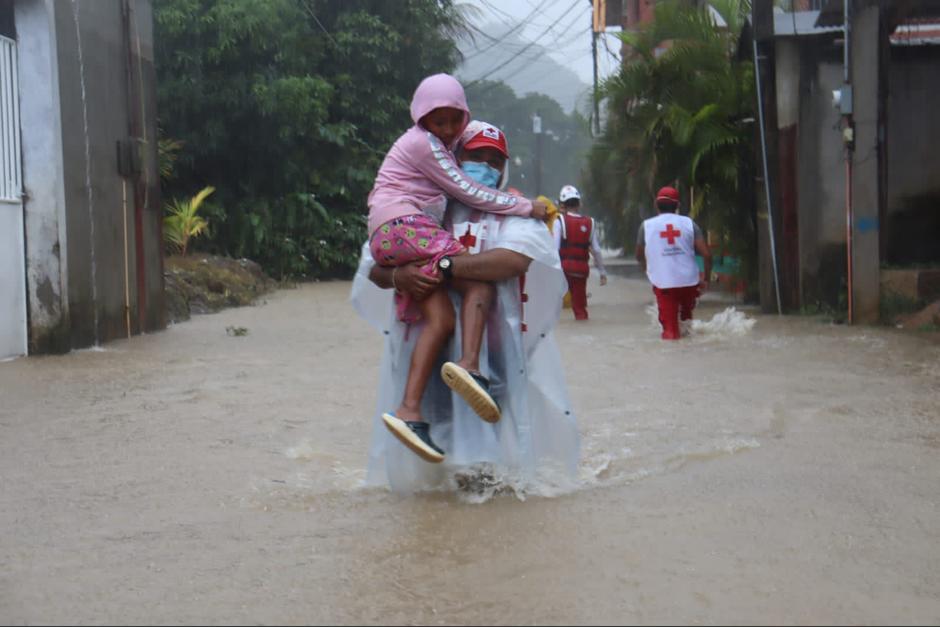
{"x":568,"y":192}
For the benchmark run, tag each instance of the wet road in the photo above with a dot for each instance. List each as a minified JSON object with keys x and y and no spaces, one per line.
{"x":786,"y":473}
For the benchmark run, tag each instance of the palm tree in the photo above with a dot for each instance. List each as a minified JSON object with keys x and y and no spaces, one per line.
{"x":182,"y":222}
{"x":678,"y":112}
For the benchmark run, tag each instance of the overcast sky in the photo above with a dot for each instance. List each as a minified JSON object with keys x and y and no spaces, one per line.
{"x":562,"y":26}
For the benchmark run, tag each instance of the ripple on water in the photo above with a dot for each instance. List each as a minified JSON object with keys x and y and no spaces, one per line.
{"x":604,"y":463}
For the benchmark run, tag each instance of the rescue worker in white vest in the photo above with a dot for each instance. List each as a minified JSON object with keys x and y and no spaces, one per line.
{"x":575,"y":236}
{"x":666,"y":247}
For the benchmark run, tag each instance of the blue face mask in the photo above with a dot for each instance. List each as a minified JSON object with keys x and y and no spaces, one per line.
{"x":482,"y":173}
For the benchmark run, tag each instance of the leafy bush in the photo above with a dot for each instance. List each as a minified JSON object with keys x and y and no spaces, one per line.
{"x":289,"y":106}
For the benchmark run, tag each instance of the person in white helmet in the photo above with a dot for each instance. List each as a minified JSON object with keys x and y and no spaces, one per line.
{"x":576,"y":237}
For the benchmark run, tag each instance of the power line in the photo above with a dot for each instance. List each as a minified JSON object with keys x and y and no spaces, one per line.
{"x":613,"y":55}
{"x":512,"y":30}
{"x":310,"y":12}
{"x":497,"y":11}
{"x":532,"y":43}
{"x":551,"y":48}
{"x":542,"y":51}
{"x":495,"y":40}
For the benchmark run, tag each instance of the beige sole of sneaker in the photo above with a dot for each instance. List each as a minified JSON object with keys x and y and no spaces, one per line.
{"x":460,"y":381}
{"x":407,"y":437}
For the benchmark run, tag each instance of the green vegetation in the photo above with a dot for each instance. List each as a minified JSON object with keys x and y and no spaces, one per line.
{"x":680,"y":112}
{"x":566,"y":138}
{"x":288,"y":107}
{"x":182,"y":222}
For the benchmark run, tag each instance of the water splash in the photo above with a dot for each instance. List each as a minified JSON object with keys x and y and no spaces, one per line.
{"x":725,"y":324}
{"x":482,"y":482}
{"x":88,"y":188}
{"x":94,"y":349}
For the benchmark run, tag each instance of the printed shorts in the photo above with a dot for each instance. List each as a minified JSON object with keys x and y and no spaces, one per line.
{"x":408,"y":239}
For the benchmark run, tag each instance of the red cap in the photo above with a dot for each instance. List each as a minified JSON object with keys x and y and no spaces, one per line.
{"x":489,"y":137}
{"x":668,"y":193}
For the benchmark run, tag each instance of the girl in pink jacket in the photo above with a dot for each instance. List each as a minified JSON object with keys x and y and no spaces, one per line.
{"x":406,"y":212}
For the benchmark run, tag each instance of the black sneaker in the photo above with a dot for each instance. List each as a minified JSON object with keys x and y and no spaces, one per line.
{"x":416,"y":436}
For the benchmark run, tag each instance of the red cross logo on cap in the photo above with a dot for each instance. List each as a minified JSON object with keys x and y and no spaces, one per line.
{"x":670,"y":234}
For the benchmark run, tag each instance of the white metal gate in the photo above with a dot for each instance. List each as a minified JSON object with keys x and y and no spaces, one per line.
{"x":12,"y":254}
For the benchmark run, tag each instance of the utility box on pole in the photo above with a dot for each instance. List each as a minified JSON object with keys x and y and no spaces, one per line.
{"x":537,"y":131}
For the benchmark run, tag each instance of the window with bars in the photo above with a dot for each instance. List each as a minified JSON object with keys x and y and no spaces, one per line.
{"x":11,"y":185}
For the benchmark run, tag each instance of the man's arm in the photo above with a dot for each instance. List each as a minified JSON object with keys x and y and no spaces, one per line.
{"x":702,"y":248}
{"x":596,"y":253}
{"x":408,"y":278}
{"x":641,"y":247}
{"x":496,"y":264}
{"x":381,"y":276}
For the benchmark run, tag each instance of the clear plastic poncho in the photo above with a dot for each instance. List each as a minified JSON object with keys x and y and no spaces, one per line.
{"x":535,"y":445}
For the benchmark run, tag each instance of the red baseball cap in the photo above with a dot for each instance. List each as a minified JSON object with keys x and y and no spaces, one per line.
{"x":489,"y":137}
{"x":668,"y":193}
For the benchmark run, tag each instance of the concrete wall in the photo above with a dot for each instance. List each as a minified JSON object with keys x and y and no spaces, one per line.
{"x":100,"y":91}
{"x":912,"y":224}
{"x":811,"y":175}
{"x":44,"y":206}
{"x":788,"y":75}
{"x":821,"y":174}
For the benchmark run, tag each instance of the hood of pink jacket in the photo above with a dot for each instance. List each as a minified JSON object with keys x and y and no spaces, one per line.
{"x":434,"y":92}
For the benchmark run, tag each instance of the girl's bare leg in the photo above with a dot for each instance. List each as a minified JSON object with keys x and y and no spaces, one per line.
{"x":439,"y":322}
{"x":478,"y":298}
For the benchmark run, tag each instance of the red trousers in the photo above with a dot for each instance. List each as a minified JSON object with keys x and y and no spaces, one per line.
{"x":675,"y":303}
{"x":577,"y":285}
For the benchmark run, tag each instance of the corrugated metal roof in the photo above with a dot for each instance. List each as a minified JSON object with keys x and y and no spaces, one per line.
{"x":800,"y":23}
{"x":917,"y":33}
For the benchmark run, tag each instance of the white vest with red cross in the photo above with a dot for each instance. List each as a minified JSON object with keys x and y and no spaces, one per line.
{"x":670,"y":251}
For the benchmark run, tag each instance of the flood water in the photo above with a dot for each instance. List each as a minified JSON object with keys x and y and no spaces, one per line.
{"x":763,"y":470}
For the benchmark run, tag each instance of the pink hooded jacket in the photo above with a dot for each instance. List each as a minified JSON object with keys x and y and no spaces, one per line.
{"x":420,"y":173}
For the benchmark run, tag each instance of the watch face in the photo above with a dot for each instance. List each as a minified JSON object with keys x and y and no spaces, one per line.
{"x":444,"y":263}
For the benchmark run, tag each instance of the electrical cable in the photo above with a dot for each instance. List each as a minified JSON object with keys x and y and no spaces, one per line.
{"x":532,"y":43}
{"x":512,"y":30}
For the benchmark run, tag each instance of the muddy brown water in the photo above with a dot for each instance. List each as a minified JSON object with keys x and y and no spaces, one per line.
{"x":789,"y":473}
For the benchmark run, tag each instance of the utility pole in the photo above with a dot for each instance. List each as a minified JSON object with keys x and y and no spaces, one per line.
{"x":537,"y":130}
{"x":598,"y":17}
{"x":597,"y":114}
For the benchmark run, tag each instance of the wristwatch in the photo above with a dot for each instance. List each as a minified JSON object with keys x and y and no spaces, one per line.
{"x":446,"y":266}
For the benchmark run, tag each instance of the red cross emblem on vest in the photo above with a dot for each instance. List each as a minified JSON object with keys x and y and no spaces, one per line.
{"x":670,"y":234}
{"x":468,"y":239}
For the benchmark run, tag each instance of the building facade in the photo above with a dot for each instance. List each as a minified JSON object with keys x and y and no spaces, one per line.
{"x":80,"y":155}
